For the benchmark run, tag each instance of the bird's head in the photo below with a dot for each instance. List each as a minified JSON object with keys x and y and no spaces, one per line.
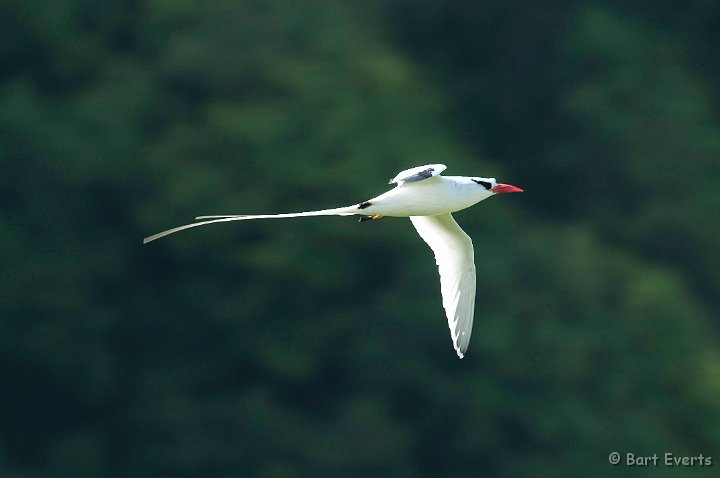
{"x":492,"y":186}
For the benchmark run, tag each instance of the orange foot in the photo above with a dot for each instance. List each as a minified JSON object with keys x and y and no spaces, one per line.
{"x":368,"y":218}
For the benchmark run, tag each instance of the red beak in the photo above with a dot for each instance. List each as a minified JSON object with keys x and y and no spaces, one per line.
{"x":506,"y":188}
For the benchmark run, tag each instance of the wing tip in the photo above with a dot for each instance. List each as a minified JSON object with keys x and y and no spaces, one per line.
{"x":460,"y":345}
{"x":417,"y":173}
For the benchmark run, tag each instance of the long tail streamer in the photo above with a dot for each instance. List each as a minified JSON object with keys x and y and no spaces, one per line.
{"x":340,"y":211}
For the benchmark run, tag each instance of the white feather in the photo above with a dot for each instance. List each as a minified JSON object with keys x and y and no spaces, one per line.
{"x":455,"y":259}
{"x":340,"y":211}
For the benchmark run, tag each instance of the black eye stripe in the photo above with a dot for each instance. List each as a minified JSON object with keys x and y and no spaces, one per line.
{"x":484,"y":184}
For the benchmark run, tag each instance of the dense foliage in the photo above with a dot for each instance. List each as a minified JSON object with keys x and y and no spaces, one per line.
{"x":318,"y":347}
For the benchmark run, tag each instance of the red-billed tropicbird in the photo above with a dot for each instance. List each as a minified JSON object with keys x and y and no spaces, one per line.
{"x":429,"y":200}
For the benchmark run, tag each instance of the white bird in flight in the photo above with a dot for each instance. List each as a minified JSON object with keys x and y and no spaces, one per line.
{"x":429,"y":200}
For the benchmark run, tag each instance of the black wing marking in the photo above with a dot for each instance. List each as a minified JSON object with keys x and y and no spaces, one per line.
{"x":419,"y":173}
{"x":424,"y":174}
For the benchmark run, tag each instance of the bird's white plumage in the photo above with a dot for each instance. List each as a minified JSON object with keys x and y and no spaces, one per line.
{"x":455,"y":259}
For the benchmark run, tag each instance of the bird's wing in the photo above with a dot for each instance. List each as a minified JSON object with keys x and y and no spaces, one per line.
{"x":454,"y":256}
{"x":418,"y":174}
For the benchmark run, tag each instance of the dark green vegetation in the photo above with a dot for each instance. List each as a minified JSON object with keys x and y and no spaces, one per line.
{"x":318,"y":347}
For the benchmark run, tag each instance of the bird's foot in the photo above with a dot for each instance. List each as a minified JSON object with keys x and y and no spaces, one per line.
{"x":368,"y":218}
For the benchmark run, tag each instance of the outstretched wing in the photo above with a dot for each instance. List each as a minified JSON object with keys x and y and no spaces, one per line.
{"x":454,"y":256}
{"x":418,"y":174}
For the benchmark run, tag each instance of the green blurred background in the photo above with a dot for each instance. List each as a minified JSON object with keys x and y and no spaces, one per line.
{"x":318,"y":347}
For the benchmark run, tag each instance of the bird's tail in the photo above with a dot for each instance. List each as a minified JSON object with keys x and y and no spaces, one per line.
{"x":340,"y":211}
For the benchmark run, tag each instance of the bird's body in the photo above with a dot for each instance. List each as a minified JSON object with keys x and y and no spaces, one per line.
{"x":428,"y":199}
